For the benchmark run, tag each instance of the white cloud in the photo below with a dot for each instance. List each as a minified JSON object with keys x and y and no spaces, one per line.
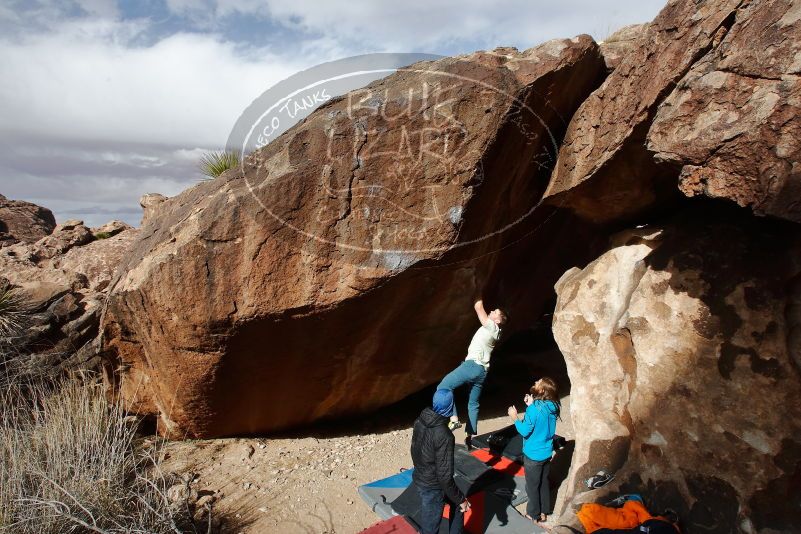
{"x":428,"y":26}
{"x":105,"y":180}
{"x":98,"y":109}
{"x":86,"y":81}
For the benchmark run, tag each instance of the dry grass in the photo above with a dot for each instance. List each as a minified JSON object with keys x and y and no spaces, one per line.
{"x":12,"y":314}
{"x":69,"y":460}
{"x":68,"y":464}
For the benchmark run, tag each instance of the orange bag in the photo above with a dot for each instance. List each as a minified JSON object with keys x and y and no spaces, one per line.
{"x":596,"y":516}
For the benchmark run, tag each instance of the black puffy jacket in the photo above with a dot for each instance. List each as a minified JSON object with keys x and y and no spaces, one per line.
{"x":432,"y":454}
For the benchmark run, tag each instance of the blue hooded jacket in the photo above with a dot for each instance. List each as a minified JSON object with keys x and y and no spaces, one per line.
{"x":537,"y":428}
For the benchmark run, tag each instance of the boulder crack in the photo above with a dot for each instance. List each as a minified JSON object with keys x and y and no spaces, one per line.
{"x":357,"y":164}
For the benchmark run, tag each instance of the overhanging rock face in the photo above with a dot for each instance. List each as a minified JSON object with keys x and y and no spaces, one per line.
{"x":705,"y":103}
{"x":604,"y":171}
{"x":334,"y":273}
{"x":733,"y":123}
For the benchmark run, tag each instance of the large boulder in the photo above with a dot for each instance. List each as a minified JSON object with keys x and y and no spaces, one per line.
{"x":334,"y":273}
{"x":681,"y":342}
{"x":604,"y":171}
{"x":705,"y":102}
{"x":733,"y":123}
{"x":24,"y":222}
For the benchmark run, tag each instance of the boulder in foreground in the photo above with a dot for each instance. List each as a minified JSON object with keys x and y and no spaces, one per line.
{"x":684,"y":357}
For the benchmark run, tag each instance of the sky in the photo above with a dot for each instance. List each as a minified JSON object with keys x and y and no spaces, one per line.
{"x":102,"y":101}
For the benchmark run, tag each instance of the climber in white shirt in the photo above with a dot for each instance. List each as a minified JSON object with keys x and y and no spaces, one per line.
{"x":473,"y":370}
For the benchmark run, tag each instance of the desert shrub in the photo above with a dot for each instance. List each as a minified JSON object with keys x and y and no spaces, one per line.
{"x":102,"y":235}
{"x":70,"y":460}
{"x":69,"y":464}
{"x":213,"y":164}
{"x":12,"y":313}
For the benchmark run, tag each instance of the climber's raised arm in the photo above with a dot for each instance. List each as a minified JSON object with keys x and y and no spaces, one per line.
{"x":481,"y":312}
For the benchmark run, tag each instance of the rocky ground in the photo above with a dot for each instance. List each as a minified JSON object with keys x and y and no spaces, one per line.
{"x":291,"y":484}
{"x":308,"y":483}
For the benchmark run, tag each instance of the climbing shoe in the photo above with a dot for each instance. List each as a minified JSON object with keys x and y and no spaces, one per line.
{"x":600,"y":480}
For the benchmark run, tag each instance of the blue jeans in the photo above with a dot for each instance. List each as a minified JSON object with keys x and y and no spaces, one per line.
{"x":473,"y":373}
{"x":433,"y":504}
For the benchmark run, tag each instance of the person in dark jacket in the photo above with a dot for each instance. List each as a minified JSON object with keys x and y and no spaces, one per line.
{"x":432,"y":455}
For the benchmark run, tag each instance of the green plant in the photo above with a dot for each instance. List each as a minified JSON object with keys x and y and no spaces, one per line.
{"x":213,"y":164}
{"x":102,"y":235}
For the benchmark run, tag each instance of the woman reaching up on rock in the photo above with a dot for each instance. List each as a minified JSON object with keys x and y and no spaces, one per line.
{"x":537,"y":426}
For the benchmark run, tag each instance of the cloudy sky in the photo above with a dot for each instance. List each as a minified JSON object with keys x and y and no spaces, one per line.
{"x":104,"y":100}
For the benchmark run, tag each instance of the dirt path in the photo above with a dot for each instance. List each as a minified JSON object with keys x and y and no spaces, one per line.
{"x":308,"y":484}
{"x":287,"y":485}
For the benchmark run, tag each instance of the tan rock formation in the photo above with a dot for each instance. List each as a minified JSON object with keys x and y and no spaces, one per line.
{"x":22,"y":221}
{"x":111,"y":228}
{"x":61,"y":278}
{"x":99,"y":259}
{"x":32,"y":263}
{"x":684,"y":383}
{"x":621,"y":43}
{"x":69,"y":234}
{"x":150,"y":203}
{"x":328,"y":279}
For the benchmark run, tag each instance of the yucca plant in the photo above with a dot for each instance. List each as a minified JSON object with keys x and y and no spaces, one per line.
{"x":214,"y":163}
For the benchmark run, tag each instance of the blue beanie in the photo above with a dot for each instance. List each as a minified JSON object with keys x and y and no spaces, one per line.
{"x":443,"y":402}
